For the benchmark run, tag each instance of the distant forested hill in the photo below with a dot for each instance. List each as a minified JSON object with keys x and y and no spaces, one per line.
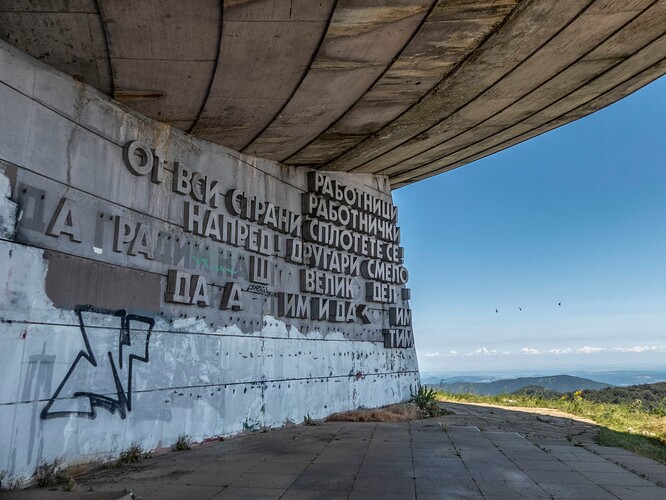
{"x":559,"y":383}
{"x":650,"y":397}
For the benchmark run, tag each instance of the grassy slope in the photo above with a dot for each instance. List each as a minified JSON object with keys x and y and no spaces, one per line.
{"x":559,"y":383}
{"x":651,"y":397}
{"x":624,"y":425}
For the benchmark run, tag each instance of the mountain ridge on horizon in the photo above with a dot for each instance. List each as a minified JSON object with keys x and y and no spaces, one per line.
{"x":621,"y":378}
{"x":558,"y":383}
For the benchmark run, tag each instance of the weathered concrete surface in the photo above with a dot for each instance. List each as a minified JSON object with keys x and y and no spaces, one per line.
{"x":408,"y":89}
{"x":478,"y":452}
{"x":126,"y":317}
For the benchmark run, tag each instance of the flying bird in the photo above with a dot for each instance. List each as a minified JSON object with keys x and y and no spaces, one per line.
{"x":496,"y":310}
{"x":520,"y":308}
{"x":559,"y":303}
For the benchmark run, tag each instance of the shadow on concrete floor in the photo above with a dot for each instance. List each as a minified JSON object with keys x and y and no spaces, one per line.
{"x":478,"y":452}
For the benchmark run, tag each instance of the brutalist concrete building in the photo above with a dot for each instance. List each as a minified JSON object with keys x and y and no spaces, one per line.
{"x":196,"y":227}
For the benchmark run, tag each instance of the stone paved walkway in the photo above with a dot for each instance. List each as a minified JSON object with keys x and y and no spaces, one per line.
{"x":479,"y":452}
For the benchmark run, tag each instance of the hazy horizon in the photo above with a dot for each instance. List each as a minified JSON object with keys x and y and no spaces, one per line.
{"x":612,"y":377}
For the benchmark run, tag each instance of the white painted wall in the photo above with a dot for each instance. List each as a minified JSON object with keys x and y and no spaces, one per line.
{"x":187,"y":377}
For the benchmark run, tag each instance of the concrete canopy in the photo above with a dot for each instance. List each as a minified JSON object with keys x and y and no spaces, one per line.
{"x":403,"y":88}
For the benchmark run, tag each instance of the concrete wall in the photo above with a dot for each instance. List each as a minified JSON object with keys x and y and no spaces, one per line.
{"x":102,"y":251}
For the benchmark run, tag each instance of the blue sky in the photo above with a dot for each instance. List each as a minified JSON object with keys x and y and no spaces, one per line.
{"x":577,"y":216}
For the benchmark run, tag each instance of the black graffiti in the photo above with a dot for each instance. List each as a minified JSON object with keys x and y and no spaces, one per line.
{"x":109,"y":354}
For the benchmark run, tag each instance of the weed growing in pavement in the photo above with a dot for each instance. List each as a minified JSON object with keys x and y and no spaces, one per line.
{"x":308,"y":420}
{"x":132,"y":454}
{"x":48,"y":473}
{"x":182,"y":443}
{"x":425,"y":399}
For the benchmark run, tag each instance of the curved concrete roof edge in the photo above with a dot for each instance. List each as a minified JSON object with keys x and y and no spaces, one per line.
{"x":407,"y":89}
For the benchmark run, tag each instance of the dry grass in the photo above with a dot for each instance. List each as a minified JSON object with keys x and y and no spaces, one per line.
{"x":403,"y":412}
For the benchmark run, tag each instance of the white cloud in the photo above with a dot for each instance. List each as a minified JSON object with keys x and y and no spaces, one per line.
{"x":566,"y":350}
{"x":586,"y":349}
{"x":641,"y":348}
{"x":446,"y":354}
{"x":482,"y":351}
{"x":593,"y":350}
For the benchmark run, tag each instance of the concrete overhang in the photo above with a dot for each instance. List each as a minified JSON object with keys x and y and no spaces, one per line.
{"x":403,"y":88}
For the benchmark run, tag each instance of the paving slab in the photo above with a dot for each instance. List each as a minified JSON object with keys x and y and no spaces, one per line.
{"x":64,"y":495}
{"x":511,"y":489}
{"x":637,"y":492}
{"x":320,"y":481}
{"x":177,"y":492}
{"x":450,"y":489}
{"x":233,"y":493}
{"x":577,"y":491}
{"x":293,"y":494}
{"x":478,"y":452}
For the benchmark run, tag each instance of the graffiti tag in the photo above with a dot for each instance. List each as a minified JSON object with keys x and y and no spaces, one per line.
{"x":101,"y":374}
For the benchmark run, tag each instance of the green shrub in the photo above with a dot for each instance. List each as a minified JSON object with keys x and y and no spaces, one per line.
{"x":308,"y":420}
{"x":425,"y":399}
{"x":182,"y":443}
{"x":47,"y":473}
{"x":132,"y":454}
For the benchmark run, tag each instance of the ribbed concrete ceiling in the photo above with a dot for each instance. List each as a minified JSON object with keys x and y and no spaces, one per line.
{"x":404,"y":88}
